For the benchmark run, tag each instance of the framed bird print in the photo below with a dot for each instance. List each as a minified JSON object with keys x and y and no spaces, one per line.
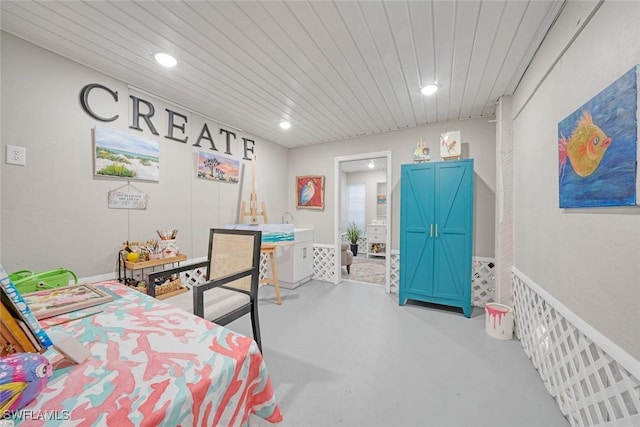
{"x":598,"y":148}
{"x":310,"y":192}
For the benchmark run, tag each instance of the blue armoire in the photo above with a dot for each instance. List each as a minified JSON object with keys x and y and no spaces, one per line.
{"x":436,"y":233}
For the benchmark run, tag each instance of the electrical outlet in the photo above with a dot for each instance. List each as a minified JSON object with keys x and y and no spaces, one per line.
{"x":16,"y":155}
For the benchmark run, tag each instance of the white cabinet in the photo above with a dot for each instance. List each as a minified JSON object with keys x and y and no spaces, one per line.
{"x":295,"y":262}
{"x":376,"y":240}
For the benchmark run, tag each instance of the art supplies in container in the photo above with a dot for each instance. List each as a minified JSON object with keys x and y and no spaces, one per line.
{"x":167,"y":234}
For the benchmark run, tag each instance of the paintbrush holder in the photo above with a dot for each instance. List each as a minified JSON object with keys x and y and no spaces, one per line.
{"x":169,"y":248}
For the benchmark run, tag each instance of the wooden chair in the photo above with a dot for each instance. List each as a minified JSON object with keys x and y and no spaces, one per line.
{"x":232,"y":275}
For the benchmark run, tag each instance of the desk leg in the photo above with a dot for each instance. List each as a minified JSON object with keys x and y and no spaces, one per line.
{"x":274,"y":273}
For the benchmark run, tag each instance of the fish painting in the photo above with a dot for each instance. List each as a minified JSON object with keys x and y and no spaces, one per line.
{"x":585,"y":148}
{"x":599,"y":140}
{"x":22,"y":377}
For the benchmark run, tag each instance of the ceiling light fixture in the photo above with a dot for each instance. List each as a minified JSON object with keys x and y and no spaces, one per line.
{"x":371,"y":164}
{"x":165,"y":59}
{"x":430,"y":88}
{"x":285,"y":125}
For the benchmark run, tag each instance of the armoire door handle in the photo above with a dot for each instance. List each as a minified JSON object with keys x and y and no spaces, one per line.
{"x":436,"y":230}
{"x":431,"y":231}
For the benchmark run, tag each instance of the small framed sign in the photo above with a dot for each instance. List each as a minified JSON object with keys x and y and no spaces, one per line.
{"x":122,"y":198}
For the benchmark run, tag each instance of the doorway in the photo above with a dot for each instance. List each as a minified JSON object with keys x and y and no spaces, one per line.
{"x":377,"y":210}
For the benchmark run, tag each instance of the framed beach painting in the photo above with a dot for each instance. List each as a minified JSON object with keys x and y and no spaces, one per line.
{"x":598,"y":148}
{"x":217,"y":168}
{"x":310,"y":192}
{"x":125,"y":156}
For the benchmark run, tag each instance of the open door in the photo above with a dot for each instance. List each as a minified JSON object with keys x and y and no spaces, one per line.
{"x":377,"y":213}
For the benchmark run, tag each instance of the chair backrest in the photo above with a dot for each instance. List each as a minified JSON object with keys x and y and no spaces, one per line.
{"x":234,"y":251}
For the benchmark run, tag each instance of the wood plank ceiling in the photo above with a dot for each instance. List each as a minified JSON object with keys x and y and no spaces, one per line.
{"x":334,"y":69}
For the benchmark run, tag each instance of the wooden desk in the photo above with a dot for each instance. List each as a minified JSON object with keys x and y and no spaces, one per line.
{"x":270,"y":249}
{"x":152,"y":364}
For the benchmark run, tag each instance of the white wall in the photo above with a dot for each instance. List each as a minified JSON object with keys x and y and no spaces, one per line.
{"x":370,"y":179}
{"x":54,"y":211}
{"x":589,"y":259}
{"x":478,"y":137}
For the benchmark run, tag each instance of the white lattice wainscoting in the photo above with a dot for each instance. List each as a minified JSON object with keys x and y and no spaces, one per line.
{"x":594,"y":382}
{"x":394,"y":274}
{"x":324,"y":259}
{"x":483,"y":281}
{"x":265,"y":266}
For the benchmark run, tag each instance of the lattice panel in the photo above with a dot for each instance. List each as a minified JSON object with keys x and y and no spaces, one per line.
{"x":324,"y":263}
{"x":591,"y":388}
{"x":362,"y":245}
{"x":394,"y":274}
{"x":265,"y":266}
{"x":483,"y":281}
{"x":194,"y":277}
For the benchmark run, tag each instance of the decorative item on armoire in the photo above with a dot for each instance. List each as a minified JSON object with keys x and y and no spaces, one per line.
{"x":598,"y":148}
{"x":421,"y":153}
{"x":437,"y":244}
{"x":450,"y":145}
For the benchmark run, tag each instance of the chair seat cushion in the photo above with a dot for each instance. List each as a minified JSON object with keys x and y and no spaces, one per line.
{"x":217,"y":302}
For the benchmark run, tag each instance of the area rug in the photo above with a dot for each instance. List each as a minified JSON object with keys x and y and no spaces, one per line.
{"x":371,"y":270}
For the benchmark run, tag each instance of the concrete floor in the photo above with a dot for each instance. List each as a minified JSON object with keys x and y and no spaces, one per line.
{"x":349,"y":355}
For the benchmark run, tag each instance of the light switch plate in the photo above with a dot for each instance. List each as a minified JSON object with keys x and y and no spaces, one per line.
{"x":16,"y":155}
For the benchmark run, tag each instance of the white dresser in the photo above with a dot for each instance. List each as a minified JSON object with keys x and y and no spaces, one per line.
{"x":295,"y":262}
{"x":376,"y":240}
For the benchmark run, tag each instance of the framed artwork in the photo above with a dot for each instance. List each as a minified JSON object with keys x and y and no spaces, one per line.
{"x":52,"y":302}
{"x":217,"y":168}
{"x":310,"y":192}
{"x":598,"y":148}
{"x":125,"y":156}
{"x":450,"y":144}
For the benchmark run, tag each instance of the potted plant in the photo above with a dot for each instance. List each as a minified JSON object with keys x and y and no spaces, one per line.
{"x":353,"y":234}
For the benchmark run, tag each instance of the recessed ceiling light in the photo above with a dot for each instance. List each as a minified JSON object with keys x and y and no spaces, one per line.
{"x":371,"y":164}
{"x":430,"y":88}
{"x":285,"y":125}
{"x":165,"y":59}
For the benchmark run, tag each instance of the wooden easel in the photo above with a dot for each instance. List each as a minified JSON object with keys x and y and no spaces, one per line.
{"x":253,"y":213}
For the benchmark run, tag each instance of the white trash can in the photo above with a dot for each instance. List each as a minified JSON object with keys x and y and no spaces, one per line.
{"x":498,"y":321}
